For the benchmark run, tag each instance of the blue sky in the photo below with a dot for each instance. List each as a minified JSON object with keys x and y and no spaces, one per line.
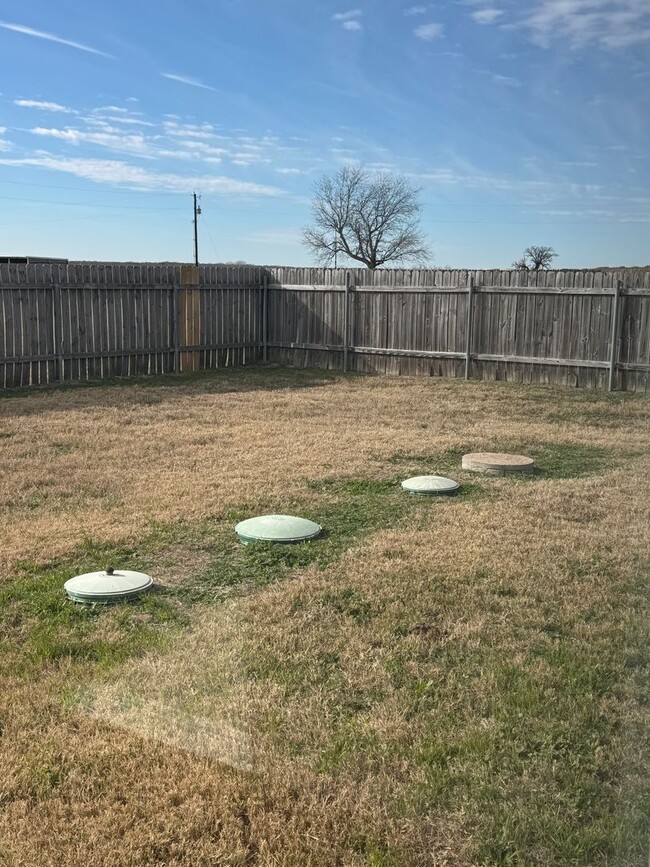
{"x":523,"y":122}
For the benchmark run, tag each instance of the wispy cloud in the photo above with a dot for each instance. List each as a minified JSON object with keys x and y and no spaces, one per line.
{"x":429,"y":32}
{"x":51,"y":37}
{"x":116,"y":114}
{"x":613,"y":24}
{"x":109,"y":138}
{"x":118,"y":172}
{"x":185,"y":79}
{"x":99,"y":119}
{"x":349,"y":20}
{"x":504,"y":80}
{"x":44,"y":106}
{"x":540,"y":191}
{"x":175,"y":140}
{"x":486,"y":16}
{"x":415,"y":10}
{"x":177,"y":128}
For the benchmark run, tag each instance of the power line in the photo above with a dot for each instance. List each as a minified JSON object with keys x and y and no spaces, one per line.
{"x":60,"y":220}
{"x":266,"y":212}
{"x":207,"y":228}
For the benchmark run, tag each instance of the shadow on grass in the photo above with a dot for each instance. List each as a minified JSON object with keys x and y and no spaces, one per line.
{"x":261,"y":377}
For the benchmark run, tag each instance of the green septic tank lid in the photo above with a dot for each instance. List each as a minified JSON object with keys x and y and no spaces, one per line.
{"x":430,"y":485}
{"x":277,"y":528}
{"x":110,"y":585}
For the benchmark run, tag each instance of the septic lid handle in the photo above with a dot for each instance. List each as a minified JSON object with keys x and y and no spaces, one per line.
{"x":110,"y":570}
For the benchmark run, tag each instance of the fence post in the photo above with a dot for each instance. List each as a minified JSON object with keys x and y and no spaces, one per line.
{"x":614,"y":335}
{"x":58,"y":332}
{"x":265,"y":319}
{"x":174,"y":317}
{"x":468,"y":347}
{"x":346,"y":317}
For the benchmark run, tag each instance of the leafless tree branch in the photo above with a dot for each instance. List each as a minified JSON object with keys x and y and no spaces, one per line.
{"x":371,"y":219}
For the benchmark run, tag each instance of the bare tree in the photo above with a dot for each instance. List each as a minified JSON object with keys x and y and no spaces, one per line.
{"x":373,"y":219}
{"x":535,"y":259}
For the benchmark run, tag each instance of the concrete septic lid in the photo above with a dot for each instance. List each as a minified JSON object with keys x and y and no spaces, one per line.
{"x":108,"y":586}
{"x":277,"y":528}
{"x":430,"y":485}
{"x":496,"y":464}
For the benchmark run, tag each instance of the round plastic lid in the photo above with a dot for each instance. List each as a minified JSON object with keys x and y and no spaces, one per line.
{"x":497,"y":463}
{"x":107,"y":586}
{"x":277,"y":528}
{"x":430,"y":485}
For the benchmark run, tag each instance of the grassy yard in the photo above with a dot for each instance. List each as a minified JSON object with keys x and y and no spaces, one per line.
{"x":444,"y":682}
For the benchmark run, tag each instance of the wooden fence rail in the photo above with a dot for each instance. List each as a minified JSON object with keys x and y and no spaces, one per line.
{"x":573,"y":328}
{"x":94,"y":320}
{"x":82,"y":322}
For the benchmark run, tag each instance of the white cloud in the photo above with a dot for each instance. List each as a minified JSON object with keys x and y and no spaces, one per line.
{"x":197,"y":142}
{"x":538,"y":191}
{"x":429,"y":32}
{"x":51,"y":37}
{"x":415,"y":10}
{"x":486,"y":16}
{"x":505,"y":80}
{"x":349,"y":20}
{"x":45,"y":106}
{"x":132,"y":144}
{"x":185,"y":79}
{"x":346,"y":16}
{"x":291,"y":171}
{"x":611,"y":24}
{"x":114,"y":109}
{"x":203,"y":150}
{"x":190,"y":130}
{"x":116,"y":114}
{"x":118,"y":172}
{"x":127,"y":121}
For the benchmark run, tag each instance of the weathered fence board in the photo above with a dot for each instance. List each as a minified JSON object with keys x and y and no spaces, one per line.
{"x":551,"y":327}
{"x":85,"y":321}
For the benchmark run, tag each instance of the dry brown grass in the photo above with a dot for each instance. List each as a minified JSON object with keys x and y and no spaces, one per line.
{"x":370,"y":714}
{"x":105,"y":462}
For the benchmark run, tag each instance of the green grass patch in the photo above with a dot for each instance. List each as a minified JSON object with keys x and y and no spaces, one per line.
{"x":554,"y":460}
{"x":40,"y":625}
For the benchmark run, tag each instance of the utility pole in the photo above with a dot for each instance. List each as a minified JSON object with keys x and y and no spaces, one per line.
{"x":197,"y":211}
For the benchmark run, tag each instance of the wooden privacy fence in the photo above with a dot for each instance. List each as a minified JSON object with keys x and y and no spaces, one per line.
{"x":586,"y":328}
{"x":80,"y":321}
{"x":91,"y":321}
